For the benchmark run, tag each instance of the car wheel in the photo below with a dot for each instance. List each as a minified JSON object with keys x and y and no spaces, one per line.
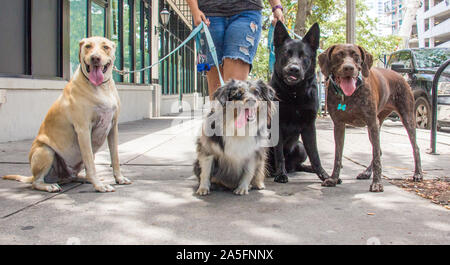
{"x":423,"y":113}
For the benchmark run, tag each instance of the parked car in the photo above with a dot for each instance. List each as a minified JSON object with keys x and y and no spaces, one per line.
{"x":418,"y":67}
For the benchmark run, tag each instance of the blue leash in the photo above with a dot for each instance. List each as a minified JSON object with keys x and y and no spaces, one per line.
{"x":195,"y":32}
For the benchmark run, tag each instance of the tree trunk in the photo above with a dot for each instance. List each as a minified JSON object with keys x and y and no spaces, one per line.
{"x":303,"y":11}
{"x":405,"y":30}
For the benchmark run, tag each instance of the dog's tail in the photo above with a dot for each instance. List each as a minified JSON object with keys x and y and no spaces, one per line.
{"x":20,"y":178}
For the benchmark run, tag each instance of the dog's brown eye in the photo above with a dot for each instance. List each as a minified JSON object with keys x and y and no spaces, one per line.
{"x":106,"y":47}
{"x":88,"y":46}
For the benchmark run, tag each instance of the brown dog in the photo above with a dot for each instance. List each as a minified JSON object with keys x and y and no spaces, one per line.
{"x":361,"y":95}
{"x":78,"y":123}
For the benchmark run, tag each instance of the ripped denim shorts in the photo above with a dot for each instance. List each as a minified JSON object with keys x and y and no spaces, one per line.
{"x":235,"y":37}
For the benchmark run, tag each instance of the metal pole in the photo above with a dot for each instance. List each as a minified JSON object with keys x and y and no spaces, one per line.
{"x":434,"y":106}
{"x":180,"y":88}
{"x":351,"y":21}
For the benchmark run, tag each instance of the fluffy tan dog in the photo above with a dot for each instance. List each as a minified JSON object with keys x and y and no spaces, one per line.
{"x":78,"y":123}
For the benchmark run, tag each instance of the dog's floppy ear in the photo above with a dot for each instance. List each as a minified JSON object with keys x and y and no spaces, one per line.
{"x":267,"y":92}
{"x":280,"y":34}
{"x":325,"y":61}
{"x":82,"y":41}
{"x":367,"y":61}
{"x":312,"y":37}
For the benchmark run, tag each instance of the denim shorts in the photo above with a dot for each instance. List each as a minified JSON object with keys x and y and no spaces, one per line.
{"x":235,"y":37}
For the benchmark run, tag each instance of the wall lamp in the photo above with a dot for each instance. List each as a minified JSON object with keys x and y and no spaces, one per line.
{"x":165,"y":17}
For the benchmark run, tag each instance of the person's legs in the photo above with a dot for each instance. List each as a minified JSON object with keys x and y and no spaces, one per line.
{"x":242,"y":36}
{"x":213,"y":80}
{"x":236,"y":39}
{"x":217,"y":30}
{"x":230,"y":69}
{"x":235,"y":69}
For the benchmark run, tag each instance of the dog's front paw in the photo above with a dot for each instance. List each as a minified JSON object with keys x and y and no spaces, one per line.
{"x":104,"y":188}
{"x":323,"y":175}
{"x":331,"y":182}
{"x":202,"y":191}
{"x":241,"y":191}
{"x":123,"y":180}
{"x":260,"y":186}
{"x":53,"y":188}
{"x":376,"y":187}
{"x":283,"y":178}
{"x":418,"y":177}
{"x":364,"y":175}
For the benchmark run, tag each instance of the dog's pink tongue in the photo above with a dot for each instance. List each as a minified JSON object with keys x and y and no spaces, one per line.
{"x":348,"y":85}
{"x":241,"y":119}
{"x":96,"y":76}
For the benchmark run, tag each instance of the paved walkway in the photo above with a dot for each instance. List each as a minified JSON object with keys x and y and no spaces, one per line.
{"x":161,"y":207}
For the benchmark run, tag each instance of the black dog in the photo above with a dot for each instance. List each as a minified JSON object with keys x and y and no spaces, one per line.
{"x":294,"y":81}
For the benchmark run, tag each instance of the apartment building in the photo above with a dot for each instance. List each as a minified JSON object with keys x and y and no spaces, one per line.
{"x":431,"y":27}
{"x":433,"y":24}
{"x":376,"y":11}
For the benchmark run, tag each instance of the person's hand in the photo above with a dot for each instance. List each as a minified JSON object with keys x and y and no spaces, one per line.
{"x":277,"y":15}
{"x":198,"y":17}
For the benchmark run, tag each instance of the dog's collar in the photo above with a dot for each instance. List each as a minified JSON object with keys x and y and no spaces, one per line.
{"x":338,"y":89}
{"x":104,"y":82}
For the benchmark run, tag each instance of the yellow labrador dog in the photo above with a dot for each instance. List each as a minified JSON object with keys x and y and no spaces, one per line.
{"x":78,"y":123}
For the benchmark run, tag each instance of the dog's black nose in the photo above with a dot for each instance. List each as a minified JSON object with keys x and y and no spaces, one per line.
{"x":95,"y":60}
{"x":294,"y":69}
{"x":348,"y":68}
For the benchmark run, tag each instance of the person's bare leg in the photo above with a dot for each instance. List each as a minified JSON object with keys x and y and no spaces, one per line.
{"x":236,"y":69}
{"x":213,"y":80}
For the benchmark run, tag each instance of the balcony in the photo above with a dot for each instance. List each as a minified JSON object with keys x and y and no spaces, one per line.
{"x":438,"y":10}
{"x":441,"y":29}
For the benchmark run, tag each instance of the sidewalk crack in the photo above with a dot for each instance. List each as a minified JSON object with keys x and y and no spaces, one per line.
{"x":38,"y":202}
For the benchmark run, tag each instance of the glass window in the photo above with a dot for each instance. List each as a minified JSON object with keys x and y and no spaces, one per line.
{"x":45,"y":38}
{"x":78,"y":30}
{"x":12,"y":29}
{"x":431,"y":58}
{"x":147,"y":34}
{"x":115,"y":37}
{"x":139,"y":61}
{"x":401,"y":58}
{"x":127,"y":49}
{"x":97,"y":20}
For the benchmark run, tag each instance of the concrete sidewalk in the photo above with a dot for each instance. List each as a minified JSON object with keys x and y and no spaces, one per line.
{"x":161,"y":207}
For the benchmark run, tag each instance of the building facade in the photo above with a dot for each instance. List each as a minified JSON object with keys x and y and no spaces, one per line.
{"x":39,"y":43}
{"x":376,"y":11}
{"x":433,"y":24}
{"x":431,"y":27}
{"x":394,"y":10}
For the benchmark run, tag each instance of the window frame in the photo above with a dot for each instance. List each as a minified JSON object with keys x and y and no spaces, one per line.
{"x":169,"y":37}
{"x":133,"y":19}
{"x":105,"y":5}
{"x":62,"y":44}
{"x":177,"y":73}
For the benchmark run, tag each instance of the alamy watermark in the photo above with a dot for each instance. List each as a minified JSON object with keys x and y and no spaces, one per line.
{"x":234,"y":118}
